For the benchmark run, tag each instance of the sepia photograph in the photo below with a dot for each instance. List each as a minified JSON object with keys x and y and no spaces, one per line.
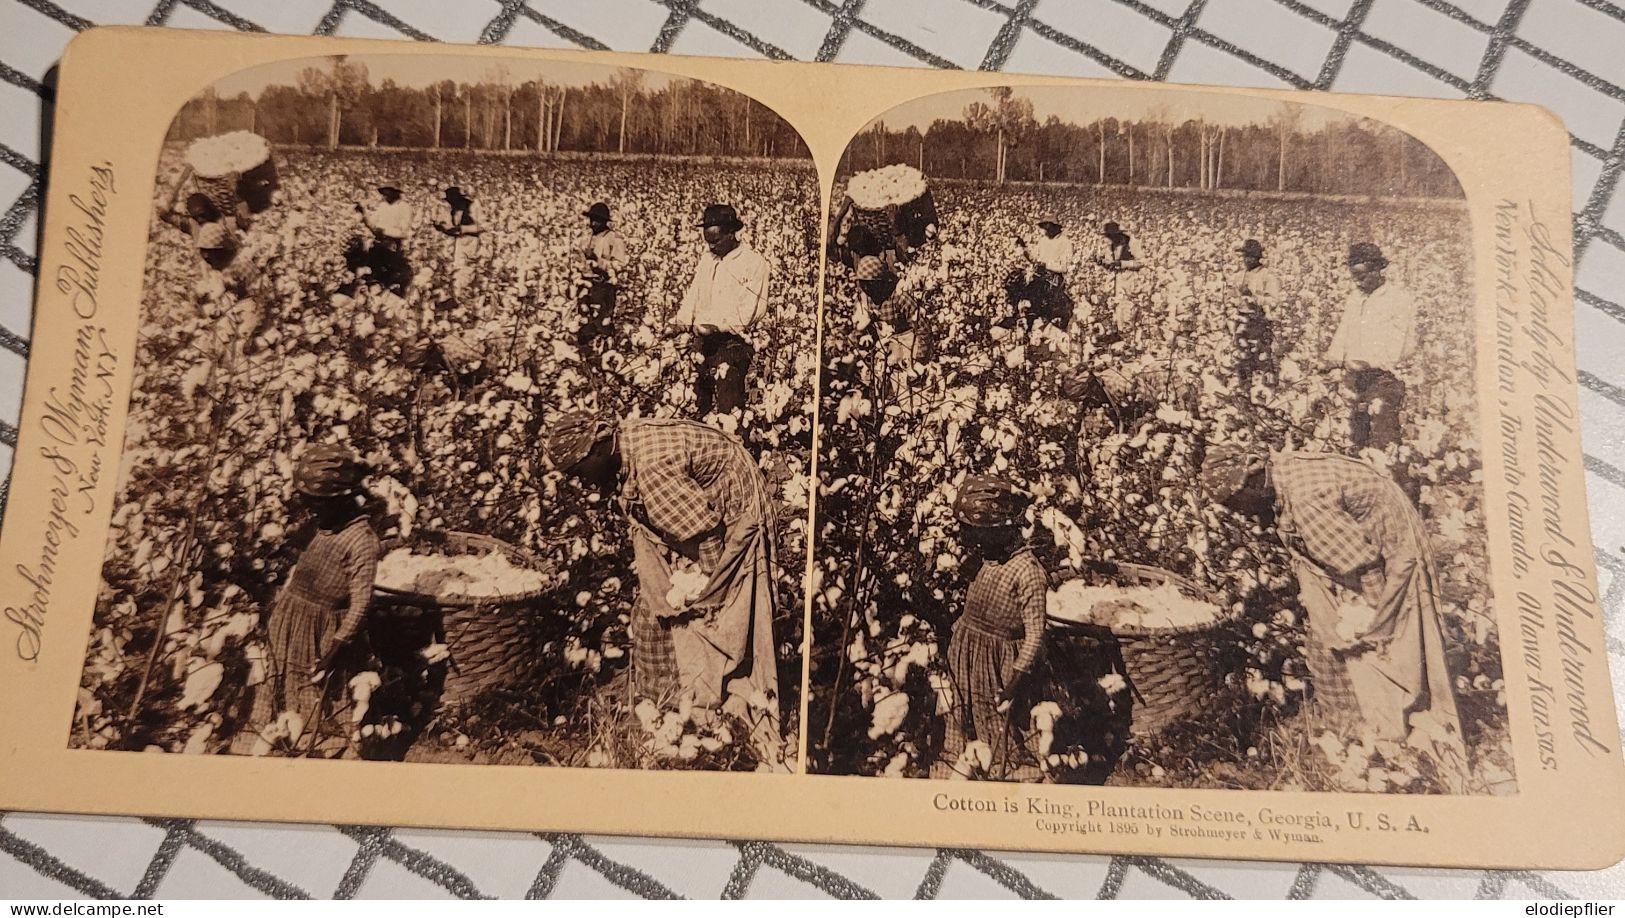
{"x":471,"y":423}
{"x":677,"y":447}
{"x":1150,"y":452}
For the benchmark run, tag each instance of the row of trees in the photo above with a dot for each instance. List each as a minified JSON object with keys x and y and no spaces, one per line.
{"x":1000,"y":140}
{"x":339,"y":106}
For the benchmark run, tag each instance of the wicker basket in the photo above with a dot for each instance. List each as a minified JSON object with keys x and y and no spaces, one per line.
{"x":488,"y":636}
{"x":913,"y":221}
{"x":1172,"y":671}
{"x":254,"y":187}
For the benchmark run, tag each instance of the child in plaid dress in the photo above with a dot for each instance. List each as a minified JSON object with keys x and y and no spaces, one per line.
{"x":997,"y":641}
{"x":322,"y":608}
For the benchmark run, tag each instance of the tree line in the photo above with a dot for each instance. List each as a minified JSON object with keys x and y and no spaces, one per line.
{"x":338,"y":105}
{"x":1000,"y":140}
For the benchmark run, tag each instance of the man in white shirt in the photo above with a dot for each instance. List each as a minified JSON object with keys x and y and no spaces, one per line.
{"x":1051,"y":253}
{"x":1258,"y":292}
{"x":464,"y":227}
{"x":722,"y":307}
{"x":603,"y":257}
{"x":1377,"y":333}
{"x":391,"y":224}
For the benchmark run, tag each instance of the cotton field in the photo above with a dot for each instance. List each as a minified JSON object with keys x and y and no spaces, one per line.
{"x":891,"y":573}
{"x":444,"y":397}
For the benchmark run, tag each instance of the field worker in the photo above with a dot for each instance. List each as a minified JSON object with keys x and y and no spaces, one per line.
{"x":464,"y":227}
{"x":317,"y":619}
{"x":603,"y":257}
{"x":1376,"y":334}
{"x":1258,"y":291}
{"x":722,"y":307}
{"x":229,"y":292}
{"x":1051,"y":254}
{"x":212,"y":232}
{"x":1126,"y":392}
{"x":699,"y":514}
{"x":894,"y":312}
{"x":1120,"y":262}
{"x":997,"y":641}
{"x":1367,"y":582}
{"x":391,"y":224}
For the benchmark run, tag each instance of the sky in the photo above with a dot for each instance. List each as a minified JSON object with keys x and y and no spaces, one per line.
{"x":1084,"y":105}
{"x":421,"y":70}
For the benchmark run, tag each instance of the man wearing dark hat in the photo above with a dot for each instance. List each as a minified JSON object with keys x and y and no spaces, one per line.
{"x":1120,"y":262}
{"x":464,"y":227}
{"x":1051,"y":253}
{"x":723,"y":305}
{"x":603,"y":256}
{"x":390,"y":223}
{"x":694,"y":500}
{"x":1377,"y":333}
{"x":1369,"y":588}
{"x":1258,"y":290}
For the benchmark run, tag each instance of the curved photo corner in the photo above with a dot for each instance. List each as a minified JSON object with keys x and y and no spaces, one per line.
{"x":411,"y":327}
{"x":1150,"y":452}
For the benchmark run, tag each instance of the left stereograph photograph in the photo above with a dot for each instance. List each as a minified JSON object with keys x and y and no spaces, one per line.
{"x":470,"y":423}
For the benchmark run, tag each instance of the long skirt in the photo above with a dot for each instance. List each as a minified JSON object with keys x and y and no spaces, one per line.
{"x":721,"y":657}
{"x":299,"y":631}
{"x":1398,"y":691}
{"x":982,"y":664}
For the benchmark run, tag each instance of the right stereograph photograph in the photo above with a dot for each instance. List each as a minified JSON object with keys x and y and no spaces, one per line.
{"x":1150,"y":452}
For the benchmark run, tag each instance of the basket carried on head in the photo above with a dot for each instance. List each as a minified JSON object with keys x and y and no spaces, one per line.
{"x":487,"y":636}
{"x":1173,"y":670}
{"x":893,"y":203}
{"x":229,"y":168}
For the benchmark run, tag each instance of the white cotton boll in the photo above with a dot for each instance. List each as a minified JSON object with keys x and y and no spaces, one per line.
{"x":1257,"y":685}
{"x":688,"y":748}
{"x":1354,"y":618}
{"x":648,"y":715}
{"x":979,"y":754}
{"x":201,"y":682}
{"x":894,"y":767}
{"x":362,"y":685}
{"x":889,"y":712}
{"x":290,"y":724}
{"x":686,"y":586}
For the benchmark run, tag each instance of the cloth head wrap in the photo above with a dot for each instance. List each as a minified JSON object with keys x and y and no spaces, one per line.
{"x":987,"y":500}
{"x":327,"y":470}
{"x":1225,"y":469}
{"x":571,"y":437}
